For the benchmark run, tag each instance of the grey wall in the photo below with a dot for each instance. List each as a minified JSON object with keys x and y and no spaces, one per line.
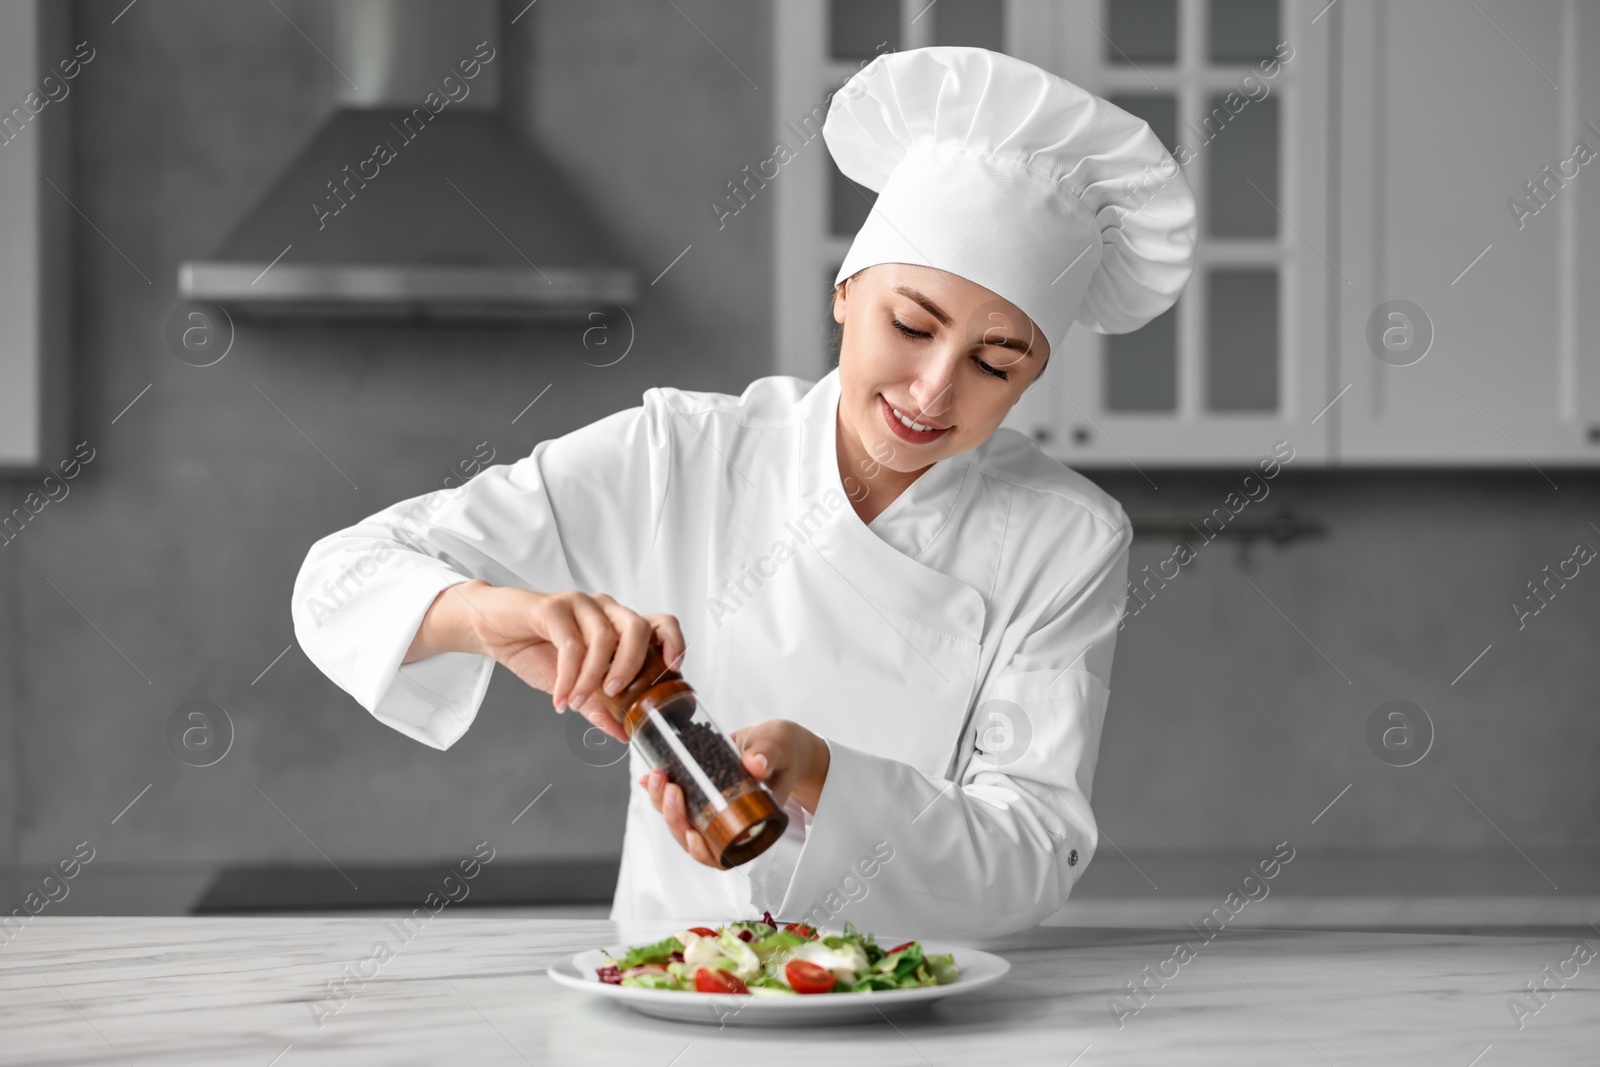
{"x":179,"y":542}
{"x":1229,"y":729}
{"x":181,"y":539}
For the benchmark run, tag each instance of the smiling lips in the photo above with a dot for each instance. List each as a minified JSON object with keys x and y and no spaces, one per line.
{"x":902,"y":429}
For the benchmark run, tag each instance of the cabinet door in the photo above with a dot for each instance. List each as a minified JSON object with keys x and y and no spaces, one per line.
{"x":1464,"y":196}
{"x":1240,"y":362}
{"x":35,"y":219}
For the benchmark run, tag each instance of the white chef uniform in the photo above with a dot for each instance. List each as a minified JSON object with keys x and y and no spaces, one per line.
{"x":954,"y":654}
{"x":997,"y":575}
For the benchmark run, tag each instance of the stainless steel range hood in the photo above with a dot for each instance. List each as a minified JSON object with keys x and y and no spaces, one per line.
{"x":413,"y":200}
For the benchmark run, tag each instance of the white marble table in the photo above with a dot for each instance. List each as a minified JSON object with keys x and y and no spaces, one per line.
{"x":473,"y":991}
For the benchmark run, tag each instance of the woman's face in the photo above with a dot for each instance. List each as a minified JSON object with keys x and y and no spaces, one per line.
{"x":941,"y":350}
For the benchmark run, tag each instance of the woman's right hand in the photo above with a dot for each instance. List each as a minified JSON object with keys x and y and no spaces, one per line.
{"x":568,"y":644}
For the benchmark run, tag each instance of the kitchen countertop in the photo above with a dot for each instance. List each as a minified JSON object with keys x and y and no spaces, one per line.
{"x":204,"y":990}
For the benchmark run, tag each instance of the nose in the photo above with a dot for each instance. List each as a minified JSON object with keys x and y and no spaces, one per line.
{"x":934,"y":387}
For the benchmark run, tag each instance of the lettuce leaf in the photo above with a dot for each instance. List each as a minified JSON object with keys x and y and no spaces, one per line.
{"x":660,"y":952}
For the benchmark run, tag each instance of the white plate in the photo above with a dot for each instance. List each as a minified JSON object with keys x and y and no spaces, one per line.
{"x":978,"y":969}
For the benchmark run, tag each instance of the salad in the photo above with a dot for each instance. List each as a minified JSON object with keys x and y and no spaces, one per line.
{"x":757,"y":957}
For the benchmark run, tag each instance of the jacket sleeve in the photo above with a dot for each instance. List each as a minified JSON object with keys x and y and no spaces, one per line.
{"x":999,"y":848}
{"x":578,"y":512}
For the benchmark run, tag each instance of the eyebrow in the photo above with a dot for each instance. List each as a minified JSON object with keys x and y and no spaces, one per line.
{"x":937,"y":312}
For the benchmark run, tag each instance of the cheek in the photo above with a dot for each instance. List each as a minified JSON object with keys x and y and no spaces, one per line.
{"x":890,"y":353}
{"x":980,"y":424}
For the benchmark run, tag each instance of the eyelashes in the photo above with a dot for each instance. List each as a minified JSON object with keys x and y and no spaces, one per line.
{"x":909,"y":332}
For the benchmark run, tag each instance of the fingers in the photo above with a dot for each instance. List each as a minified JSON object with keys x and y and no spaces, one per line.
{"x":697,"y":848}
{"x":667,"y":798}
{"x":599,"y":645}
{"x":602,"y":719}
{"x":762,"y":748}
{"x":561,"y":628}
{"x":766,"y":752}
{"x":651,"y":781}
{"x":757,"y":764}
{"x":673,"y":645}
{"x":635,"y":638}
{"x":600,"y":642}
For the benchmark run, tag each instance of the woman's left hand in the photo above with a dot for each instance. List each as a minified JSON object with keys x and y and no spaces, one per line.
{"x":785,"y":756}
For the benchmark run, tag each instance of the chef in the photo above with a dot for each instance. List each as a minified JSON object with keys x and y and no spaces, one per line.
{"x":903,"y":612}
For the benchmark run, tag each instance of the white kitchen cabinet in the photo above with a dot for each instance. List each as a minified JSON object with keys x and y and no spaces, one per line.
{"x":35,"y":224}
{"x":1238,"y":91}
{"x":1240,"y":362}
{"x":1450,"y":111}
{"x":1374,"y":165}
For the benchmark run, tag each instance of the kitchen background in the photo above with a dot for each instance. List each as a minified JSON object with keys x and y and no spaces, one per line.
{"x":1242,"y":692}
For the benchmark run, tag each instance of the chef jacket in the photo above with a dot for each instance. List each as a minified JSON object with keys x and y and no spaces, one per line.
{"x":954,"y":653}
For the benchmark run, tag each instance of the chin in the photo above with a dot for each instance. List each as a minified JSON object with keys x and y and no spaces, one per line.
{"x":902,"y":460}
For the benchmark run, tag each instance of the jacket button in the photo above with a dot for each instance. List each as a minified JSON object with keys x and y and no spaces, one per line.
{"x":1072,"y":858}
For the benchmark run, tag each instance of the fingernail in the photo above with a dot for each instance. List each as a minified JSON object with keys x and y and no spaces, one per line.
{"x":561,"y":705}
{"x":577,"y":701}
{"x":614,"y":686}
{"x":761,"y":763}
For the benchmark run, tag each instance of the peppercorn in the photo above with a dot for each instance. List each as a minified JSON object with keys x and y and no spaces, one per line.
{"x":715,"y":757}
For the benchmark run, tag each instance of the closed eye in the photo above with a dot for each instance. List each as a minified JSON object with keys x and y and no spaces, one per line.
{"x":909,"y":332}
{"x":1002,"y":375}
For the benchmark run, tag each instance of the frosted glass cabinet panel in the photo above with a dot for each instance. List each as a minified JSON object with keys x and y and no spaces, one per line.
{"x":1142,"y":367}
{"x":857,"y":27}
{"x":1141,"y":31}
{"x":1242,"y":178}
{"x":1243,"y":31}
{"x":1241,"y":340}
{"x":971,"y":23}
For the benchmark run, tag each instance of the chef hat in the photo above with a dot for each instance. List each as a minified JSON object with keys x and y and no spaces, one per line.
{"x":993,"y":169}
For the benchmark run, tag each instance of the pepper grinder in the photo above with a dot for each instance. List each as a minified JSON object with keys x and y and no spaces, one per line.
{"x":735,"y":813}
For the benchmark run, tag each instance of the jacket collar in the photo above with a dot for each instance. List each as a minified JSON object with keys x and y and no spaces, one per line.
{"x":881,"y":561}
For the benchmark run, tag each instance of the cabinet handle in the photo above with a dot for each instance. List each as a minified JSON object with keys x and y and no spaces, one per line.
{"x":1080,"y":435}
{"x":1042,"y":434}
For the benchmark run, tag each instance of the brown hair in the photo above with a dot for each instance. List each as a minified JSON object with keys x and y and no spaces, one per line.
{"x":836,"y":335}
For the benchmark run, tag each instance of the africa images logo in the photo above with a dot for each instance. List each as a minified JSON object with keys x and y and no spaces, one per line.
{"x":727,"y":603}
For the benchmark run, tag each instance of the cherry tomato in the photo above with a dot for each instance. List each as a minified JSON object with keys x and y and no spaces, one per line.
{"x":715,"y":980}
{"x":802,"y":929}
{"x":703,"y":931}
{"x":806,"y":977}
{"x":897,"y":948}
